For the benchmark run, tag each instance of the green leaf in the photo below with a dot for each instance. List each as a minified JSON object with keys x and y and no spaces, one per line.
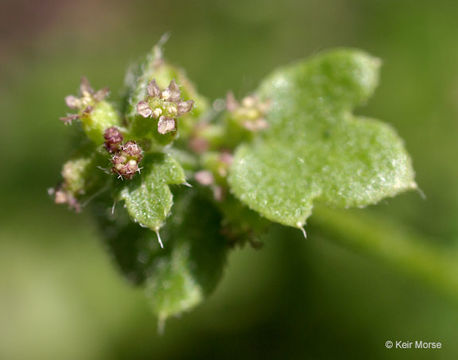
{"x":133,"y":248}
{"x":189,"y":273}
{"x":240,"y":224}
{"x":148,"y":198}
{"x":189,"y":267}
{"x":315,"y":149}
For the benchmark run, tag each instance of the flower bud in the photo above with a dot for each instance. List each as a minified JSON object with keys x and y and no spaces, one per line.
{"x":113,"y":139}
{"x":63,"y":196}
{"x":204,"y":177}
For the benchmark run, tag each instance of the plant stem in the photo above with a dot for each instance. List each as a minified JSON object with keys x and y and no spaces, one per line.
{"x":408,"y":251}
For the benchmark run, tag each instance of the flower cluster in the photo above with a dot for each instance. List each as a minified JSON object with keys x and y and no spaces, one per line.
{"x":250,"y":113}
{"x":165,"y":105}
{"x":217,"y":166}
{"x":85,"y":103}
{"x":74,"y":183}
{"x":126,"y":157}
{"x":63,"y":196}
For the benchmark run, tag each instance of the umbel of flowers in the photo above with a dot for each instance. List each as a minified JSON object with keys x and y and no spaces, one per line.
{"x":165,"y":105}
{"x":126,"y":157}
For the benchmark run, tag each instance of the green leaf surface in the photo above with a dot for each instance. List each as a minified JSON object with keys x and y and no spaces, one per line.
{"x":133,"y":248}
{"x":315,"y":149}
{"x":191,"y":270}
{"x":189,"y":267}
{"x":147,"y":197}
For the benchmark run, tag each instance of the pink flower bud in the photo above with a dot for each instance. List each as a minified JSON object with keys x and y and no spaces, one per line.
{"x":204,"y":177}
{"x":113,"y":139}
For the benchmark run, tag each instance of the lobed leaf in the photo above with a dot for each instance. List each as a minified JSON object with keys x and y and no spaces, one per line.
{"x":133,"y":248}
{"x":315,"y":149}
{"x":193,"y":267}
{"x":148,"y":198}
{"x":189,"y":267}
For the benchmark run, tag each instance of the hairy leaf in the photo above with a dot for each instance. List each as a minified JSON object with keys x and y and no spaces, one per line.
{"x":148,"y":198}
{"x":190,"y":271}
{"x":189,"y":267}
{"x":133,"y":248}
{"x":315,"y":149}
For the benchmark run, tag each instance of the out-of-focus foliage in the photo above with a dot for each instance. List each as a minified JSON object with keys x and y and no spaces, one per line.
{"x":59,"y":295}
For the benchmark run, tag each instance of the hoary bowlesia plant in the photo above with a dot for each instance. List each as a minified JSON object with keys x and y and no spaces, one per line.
{"x":175,"y":183}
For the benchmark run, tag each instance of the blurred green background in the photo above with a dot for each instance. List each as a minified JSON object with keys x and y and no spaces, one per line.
{"x":60,"y":295}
